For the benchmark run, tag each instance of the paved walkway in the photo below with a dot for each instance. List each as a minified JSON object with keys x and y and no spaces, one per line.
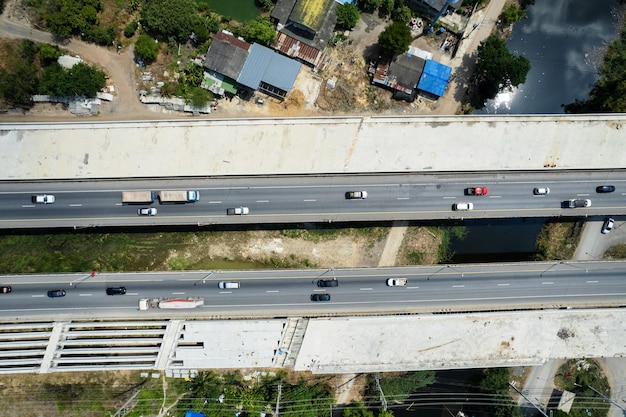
{"x":393,"y":243}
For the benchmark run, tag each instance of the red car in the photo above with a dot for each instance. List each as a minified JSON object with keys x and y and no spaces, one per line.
{"x":476,"y":191}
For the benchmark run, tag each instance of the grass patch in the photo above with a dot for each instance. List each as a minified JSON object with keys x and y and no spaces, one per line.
{"x":558,"y":240}
{"x":323,"y":232}
{"x":577,"y":376}
{"x":616,"y":252}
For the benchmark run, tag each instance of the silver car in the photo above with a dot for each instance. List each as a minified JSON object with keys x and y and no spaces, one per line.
{"x":541,"y":191}
{"x":608,"y":226}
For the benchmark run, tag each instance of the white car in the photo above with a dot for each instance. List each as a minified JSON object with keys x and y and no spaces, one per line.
{"x":228,"y":285}
{"x":397,"y":282}
{"x":356,"y":195}
{"x":148,"y":211}
{"x":462,"y":206}
{"x":608,"y":226}
{"x":239,"y":211}
{"x":541,"y":191}
{"x":43,"y":199}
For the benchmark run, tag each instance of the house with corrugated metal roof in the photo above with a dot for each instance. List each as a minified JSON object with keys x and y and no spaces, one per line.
{"x":304,"y":28}
{"x":412,"y":73}
{"x":237,"y":67}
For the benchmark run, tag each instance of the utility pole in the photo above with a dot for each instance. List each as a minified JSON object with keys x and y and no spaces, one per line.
{"x":383,"y":400}
{"x":280,"y":389}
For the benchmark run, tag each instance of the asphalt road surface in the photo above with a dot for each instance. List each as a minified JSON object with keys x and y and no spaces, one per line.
{"x":277,"y":293}
{"x":287,"y":199}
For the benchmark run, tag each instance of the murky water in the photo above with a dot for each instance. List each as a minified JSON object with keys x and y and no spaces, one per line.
{"x":564,"y":41}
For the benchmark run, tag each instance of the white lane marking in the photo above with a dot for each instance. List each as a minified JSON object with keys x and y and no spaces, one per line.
{"x":309,"y":200}
{"x":402,"y":198}
{"x":215,"y":202}
{"x":365,"y":289}
{"x":28,"y":205}
{"x":412,"y":287}
{"x":118,"y":204}
{"x":76,"y":205}
{"x":582,"y":195}
{"x":547,"y":283}
{"x":319,"y":290}
{"x":495,"y":196}
{"x":132,"y":293}
{"x":262,"y":201}
{"x":592,"y":282}
{"x":458,"y":286}
{"x":178,"y":293}
{"x":85,"y":295}
{"x":226,"y":292}
{"x":37,"y":296}
{"x":503,"y":285}
{"x":272,"y":291}
{"x":447,"y":198}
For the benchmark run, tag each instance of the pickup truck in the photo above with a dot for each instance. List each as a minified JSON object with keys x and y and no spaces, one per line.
{"x":476,"y":191}
{"x":239,"y":211}
{"x":397,"y":282}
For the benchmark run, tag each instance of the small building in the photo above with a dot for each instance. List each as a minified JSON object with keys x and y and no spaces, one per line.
{"x":561,"y":400}
{"x":235,"y":66}
{"x":304,"y":28}
{"x":410,"y":74}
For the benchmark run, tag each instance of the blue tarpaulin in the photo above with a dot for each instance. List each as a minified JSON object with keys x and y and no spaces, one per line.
{"x":435,"y":78}
{"x":190,"y":413}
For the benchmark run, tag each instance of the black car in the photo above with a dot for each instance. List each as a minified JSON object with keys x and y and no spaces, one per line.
{"x":56,"y":293}
{"x":327,"y":283}
{"x":6,"y":289}
{"x":116,"y":290}
{"x":320,"y":297}
{"x":605,"y":189}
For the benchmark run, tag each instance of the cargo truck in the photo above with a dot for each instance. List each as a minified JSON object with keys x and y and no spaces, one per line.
{"x":138,"y":197}
{"x":170,"y":303}
{"x":179,"y":196}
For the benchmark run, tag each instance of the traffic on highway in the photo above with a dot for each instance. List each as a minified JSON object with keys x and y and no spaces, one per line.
{"x":276,"y":293}
{"x":284,"y":199}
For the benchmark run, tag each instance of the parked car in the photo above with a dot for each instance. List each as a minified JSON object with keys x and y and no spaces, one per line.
{"x":608,"y":226}
{"x":397,"y":282}
{"x":239,"y":211}
{"x":5,"y":289}
{"x":578,"y":203}
{"x":605,"y":189}
{"x":476,"y":191}
{"x":56,"y":293}
{"x":356,"y":195}
{"x":116,"y":290}
{"x":462,"y":206}
{"x":541,"y":191}
{"x":148,"y":211}
{"x":228,"y":285}
{"x":320,"y":297}
{"x":327,"y":283}
{"x":43,"y":199}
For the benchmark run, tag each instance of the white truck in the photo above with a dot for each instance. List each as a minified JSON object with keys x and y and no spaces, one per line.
{"x":179,"y":196}
{"x":170,"y":303}
{"x":138,"y":197}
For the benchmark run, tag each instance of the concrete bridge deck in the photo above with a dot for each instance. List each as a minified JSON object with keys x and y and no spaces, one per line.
{"x":311,"y":145}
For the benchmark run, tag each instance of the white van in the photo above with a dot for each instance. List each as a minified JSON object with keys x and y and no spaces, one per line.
{"x":228,"y":285}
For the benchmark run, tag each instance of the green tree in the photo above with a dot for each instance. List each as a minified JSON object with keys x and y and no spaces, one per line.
{"x":147,"y":48}
{"x":167,"y":19}
{"x":369,"y":6}
{"x":199,"y":97}
{"x":201,"y":32}
{"x":55,"y":81}
{"x":19,"y":81}
{"x":386,"y":6}
{"x":497,"y":69}
{"x":357,"y":410}
{"x":512,"y":14}
{"x":212,"y":23}
{"x":130,"y":29}
{"x":80,"y":80}
{"x":48,"y":54}
{"x":395,"y":39}
{"x":401,"y":14}
{"x":266,"y":5}
{"x":260,"y":30}
{"x":495,"y":380}
{"x":347,"y":15}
